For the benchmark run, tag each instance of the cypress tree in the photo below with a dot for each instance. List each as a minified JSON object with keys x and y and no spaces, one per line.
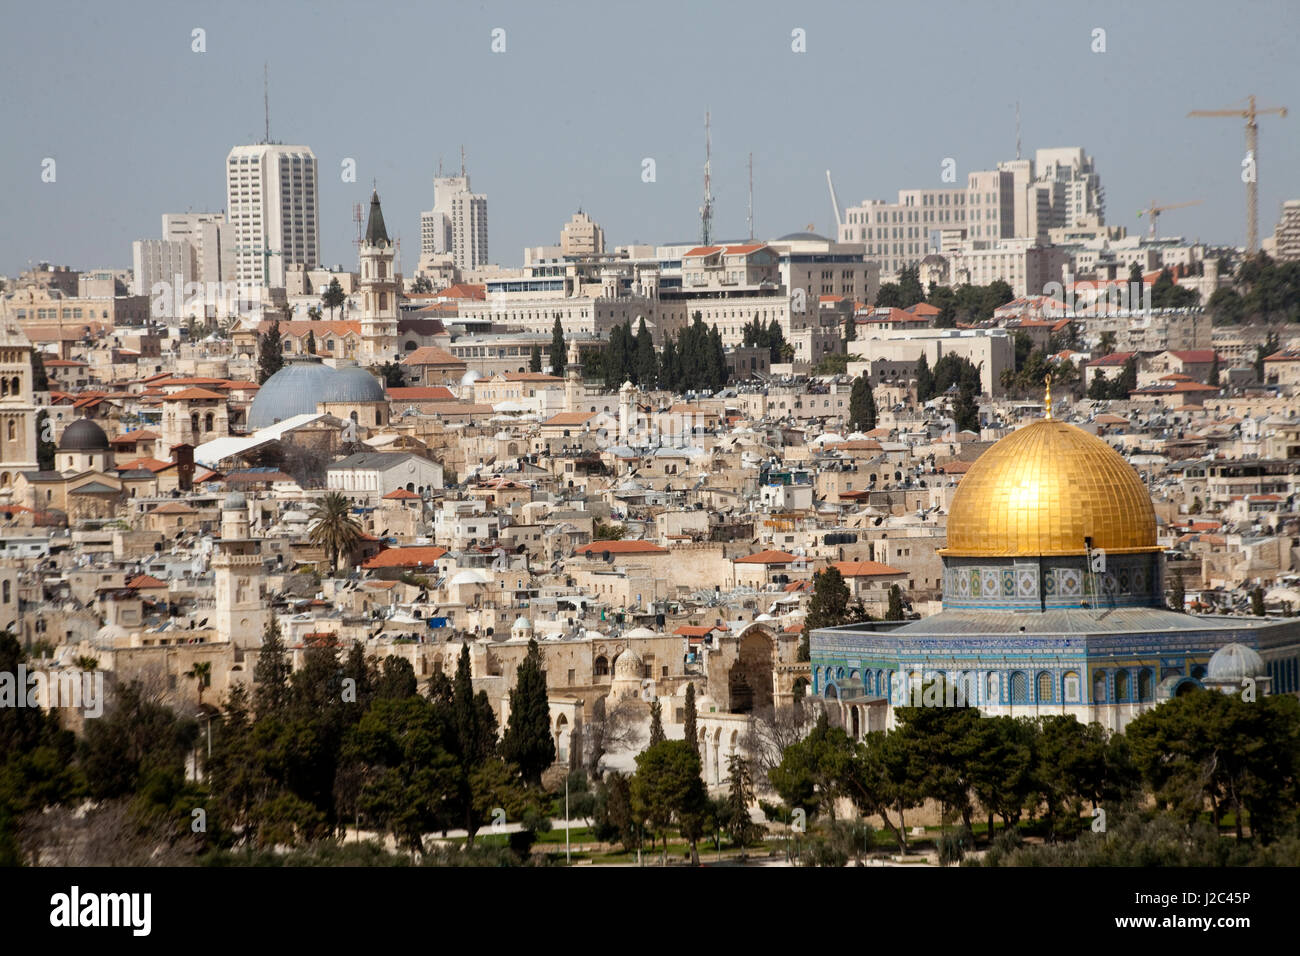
{"x":535,"y":359}
{"x":656,"y":724}
{"x":527,"y":742}
{"x":271,"y":673}
{"x":558,"y":350}
{"x":862,"y":405}
{"x":689,"y":719}
{"x":270,"y":353}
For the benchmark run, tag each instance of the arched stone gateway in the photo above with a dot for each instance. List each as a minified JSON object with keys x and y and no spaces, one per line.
{"x":749,"y":680}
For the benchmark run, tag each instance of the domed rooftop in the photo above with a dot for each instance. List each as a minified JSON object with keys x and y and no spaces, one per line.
{"x":305,"y":382}
{"x":83,"y":435}
{"x":795,"y":236}
{"x":1234,"y":662}
{"x":1044,"y":488}
{"x":629,"y":665}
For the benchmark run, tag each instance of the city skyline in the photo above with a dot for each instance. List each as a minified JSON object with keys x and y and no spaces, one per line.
{"x":551,"y":160}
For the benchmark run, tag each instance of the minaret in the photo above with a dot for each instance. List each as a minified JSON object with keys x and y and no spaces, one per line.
{"x":240,"y":579}
{"x":379,"y":290}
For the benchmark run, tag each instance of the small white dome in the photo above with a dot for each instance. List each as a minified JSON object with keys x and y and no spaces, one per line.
{"x":522,"y":624}
{"x":1234,"y":662}
{"x":629,"y":666}
{"x":469,"y":576}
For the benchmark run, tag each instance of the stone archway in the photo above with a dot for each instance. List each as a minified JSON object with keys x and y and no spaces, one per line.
{"x":749,"y":680}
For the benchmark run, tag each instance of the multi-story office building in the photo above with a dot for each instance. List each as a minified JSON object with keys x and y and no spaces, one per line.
{"x":161,"y":260}
{"x":1074,"y":186}
{"x":581,"y":236}
{"x":457,"y":225}
{"x":212,"y":239}
{"x":271,"y":205}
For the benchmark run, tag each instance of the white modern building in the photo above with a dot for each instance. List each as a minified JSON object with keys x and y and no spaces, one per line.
{"x":457,"y":225}
{"x":271,"y":204}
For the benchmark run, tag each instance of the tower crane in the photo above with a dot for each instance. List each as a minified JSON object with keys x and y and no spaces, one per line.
{"x":1153,"y":212}
{"x":1250,"y":164}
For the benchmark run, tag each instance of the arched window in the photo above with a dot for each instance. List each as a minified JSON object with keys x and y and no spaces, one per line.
{"x":1070,"y":685}
{"x":991,"y":689}
{"x":207,"y":422}
{"x":1099,"y":695}
{"x":1123,"y":692}
{"x":1146,"y":685}
{"x":5,"y":599}
{"x":13,"y":430}
{"x":1019,"y":688}
{"x":601,"y":667}
{"x":1044,"y":689}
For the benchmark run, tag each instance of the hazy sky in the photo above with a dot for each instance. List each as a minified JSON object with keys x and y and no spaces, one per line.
{"x":140,"y":125}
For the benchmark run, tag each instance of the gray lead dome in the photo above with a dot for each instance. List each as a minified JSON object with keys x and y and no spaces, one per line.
{"x":305,"y":382}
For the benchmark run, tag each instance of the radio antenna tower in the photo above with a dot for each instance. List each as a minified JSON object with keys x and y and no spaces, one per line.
{"x":706,"y":211}
{"x":266,"y":99}
{"x":1017,"y":129}
{"x":751,"y":197}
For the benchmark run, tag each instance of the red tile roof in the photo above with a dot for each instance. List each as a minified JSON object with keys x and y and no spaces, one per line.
{"x":767,"y":557}
{"x":412,"y":557}
{"x":865,"y":569}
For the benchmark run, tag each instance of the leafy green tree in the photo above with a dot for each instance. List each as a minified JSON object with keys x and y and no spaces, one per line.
{"x":407,"y":780}
{"x":1106,"y":344}
{"x":1004,"y":777}
{"x":558,"y":350}
{"x":333,"y":297}
{"x":527,"y":742}
{"x":939,"y":745}
{"x":270,"y":352}
{"x":617,"y":817}
{"x":667,"y":788}
{"x":334,"y":528}
{"x":397,"y":679}
{"x":862,"y":405}
{"x":535,"y":359}
{"x":909,"y":287}
{"x":393,"y":374}
{"x":311,"y":342}
{"x":814,"y":772}
{"x":889,"y":296}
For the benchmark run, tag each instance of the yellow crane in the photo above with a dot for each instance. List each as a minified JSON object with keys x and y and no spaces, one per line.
{"x":1250,"y":164}
{"x":1153,"y":212}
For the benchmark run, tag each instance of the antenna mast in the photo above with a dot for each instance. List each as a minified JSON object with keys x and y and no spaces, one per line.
{"x":462,"y":160}
{"x":706,"y":211}
{"x":1017,"y":129}
{"x":751,"y":197}
{"x":266,"y":99}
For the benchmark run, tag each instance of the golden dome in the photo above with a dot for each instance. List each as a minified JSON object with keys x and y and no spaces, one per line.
{"x":1044,"y":488}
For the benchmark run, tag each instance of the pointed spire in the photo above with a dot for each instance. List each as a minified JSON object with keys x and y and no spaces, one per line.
{"x":376,"y":233}
{"x":1048,"y":382}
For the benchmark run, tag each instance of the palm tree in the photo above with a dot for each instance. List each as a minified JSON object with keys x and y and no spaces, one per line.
{"x":86,"y":663}
{"x":334,"y":528}
{"x":201,"y":672}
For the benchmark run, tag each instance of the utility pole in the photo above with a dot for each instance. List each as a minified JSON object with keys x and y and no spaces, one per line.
{"x":1250,"y":165}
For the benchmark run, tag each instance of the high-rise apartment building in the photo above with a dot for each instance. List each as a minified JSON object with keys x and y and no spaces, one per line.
{"x":271,"y":206}
{"x":457,"y":225}
{"x":1286,"y":238}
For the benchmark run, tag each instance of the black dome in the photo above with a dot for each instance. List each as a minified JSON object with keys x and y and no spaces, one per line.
{"x":83,"y":435}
